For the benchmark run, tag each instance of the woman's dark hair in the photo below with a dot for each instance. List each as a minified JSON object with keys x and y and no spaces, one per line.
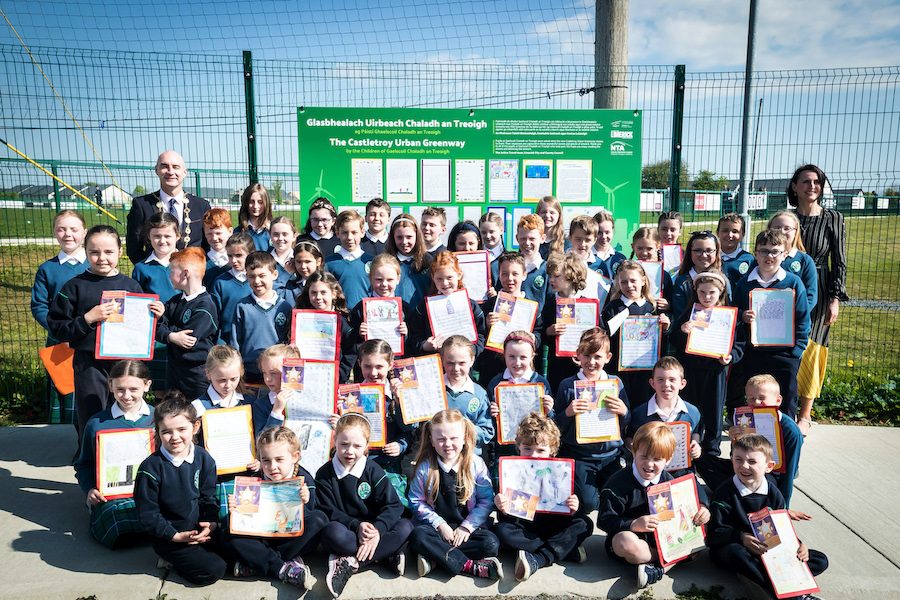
{"x":820,"y":175}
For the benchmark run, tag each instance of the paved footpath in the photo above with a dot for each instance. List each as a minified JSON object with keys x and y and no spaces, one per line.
{"x":848,"y":483}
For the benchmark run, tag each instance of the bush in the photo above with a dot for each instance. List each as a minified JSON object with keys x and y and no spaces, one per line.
{"x":874,"y":398}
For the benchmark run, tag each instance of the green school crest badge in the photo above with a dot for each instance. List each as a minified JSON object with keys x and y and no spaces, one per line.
{"x":197,"y":480}
{"x":367,"y":266}
{"x":795,"y":267}
{"x":743,"y":268}
{"x":539,"y":281}
{"x":280,"y":319}
{"x":473,"y":405}
{"x":364,"y":490}
{"x":186,"y":317}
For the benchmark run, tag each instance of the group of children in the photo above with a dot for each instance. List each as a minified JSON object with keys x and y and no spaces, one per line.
{"x":224,"y":321}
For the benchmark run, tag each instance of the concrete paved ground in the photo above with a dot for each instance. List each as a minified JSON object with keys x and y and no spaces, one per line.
{"x":848,"y":483}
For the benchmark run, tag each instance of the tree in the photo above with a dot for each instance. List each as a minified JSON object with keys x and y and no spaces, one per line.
{"x":91,"y":184}
{"x":707,"y":180}
{"x":891,"y":192}
{"x":138,"y":191}
{"x":275,"y":192}
{"x":655,"y":176}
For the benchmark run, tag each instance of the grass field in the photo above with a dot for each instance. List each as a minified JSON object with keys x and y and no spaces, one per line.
{"x":864,"y":340}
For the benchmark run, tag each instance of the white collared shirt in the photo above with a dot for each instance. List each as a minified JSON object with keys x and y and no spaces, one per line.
{"x":239,"y":275}
{"x":76,"y":258}
{"x":731,"y":255}
{"x":216,"y":399}
{"x":435,"y":247}
{"x":495,"y":252}
{"x":381,"y":240}
{"x":467,"y":386}
{"x":754,"y":276}
{"x":266,"y":303}
{"x":289,"y":255}
{"x":154,"y":257}
{"x":640,"y":301}
{"x":447,"y":468}
{"x":581,"y":376}
{"x":743,"y":490}
{"x":644,"y":482}
{"x":356,"y":470}
{"x":220,"y":259}
{"x":403,"y":258}
{"x":538,"y":261}
{"x":192,"y":296}
{"x":318,"y":237}
{"x":654,"y":409}
{"x":177,"y":462}
{"x":525,"y":378}
{"x":692,"y":273}
{"x":180,"y":201}
{"x":347,"y":255}
{"x":609,"y":252}
{"x":117,"y":411}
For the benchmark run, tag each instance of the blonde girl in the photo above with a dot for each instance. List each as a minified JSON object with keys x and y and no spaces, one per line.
{"x":606,"y":228}
{"x":282,"y":233}
{"x":384,"y":278}
{"x":550,"y":210}
{"x":451,"y":499}
{"x":406,"y":245}
{"x":362,"y":506}
{"x":225,"y":371}
{"x":463,"y":394}
{"x":280,"y":557}
{"x":491,"y":226}
{"x":796,"y":260}
{"x":645,"y":246}
{"x":255,"y":215}
{"x":268,"y":406}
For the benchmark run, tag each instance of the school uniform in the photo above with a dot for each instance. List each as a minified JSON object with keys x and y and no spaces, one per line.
{"x":261,"y":238}
{"x":435,"y":250}
{"x":362,"y":493}
{"x":782,"y":362}
{"x":503,"y":378}
{"x":611,"y":261}
{"x":471,"y":400}
{"x":636,"y":382}
{"x":684,"y":291}
{"x":374,"y":245}
{"x":558,"y":367}
{"x":186,"y":367}
{"x":327,"y":245}
{"x":281,"y":280}
{"x":594,"y":463}
{"x":552,"y":537}
{"x":682,"y":411}
{"x":357,"y":317}
{"x":420,"y":329}
{"x":736,"y":265}
{"x":187,"y":208}
{"x":152,"y":274}
{"x":793,"y":443}
{"x":227,"y":291}
{"x":216,"y":266}
{"x":293,"y":288}
{"x":268,"y":555}
{"x":263,"y":415}
{"x":490,"y":364}
{"x":211,"y":400}
{"x":803,"y":266}
{"x":413,"y":286}
{"x":109,"y":520}
{"x":731,"y":503}
{"x":174,"y":495}
{"x":472,"y":515}
{"x":404,"y":436}
{"x":258,"y":324}
{"x":66,"y":323}
{"x":535,"y":285}
{"x":352,"y":271}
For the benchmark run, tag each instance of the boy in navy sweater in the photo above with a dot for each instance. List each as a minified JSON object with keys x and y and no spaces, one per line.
{"x":189,"y":325}
{"x":378,"y":215}
{"x":216,"y":229}
{"x":735,"y":260}
{"x":624,"y":510}
{"x":231,"y":286}
{"x":782,"y":362}
{"x":731,"y":542}
{"x":349,"y":264}
{"x":262,"y":318}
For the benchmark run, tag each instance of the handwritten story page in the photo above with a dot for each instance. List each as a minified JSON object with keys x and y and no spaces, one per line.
{"x":599,"y":424}
{"x":682,"y":457}
{"x":516,"y":314}
{"x":675,"y":503}
{"x":470,"y":180}
{"x":451,"y":315}
{"x":317,"y":333}
{"x":579,"y":315}
{"x":639,"y":344}
{"x":766,"y":423}
{"x":422,"y":392}
{"x":368,"y":179}
{"x":119,"y":454}
{"x":384,"y":316}
{"x":476,"y":268}
{"x":133,"y":337}
{"x":228,"y":437}
{"x":713,"y":332}
{"x":551,"y":480}
{"x":366,"y":399}
{"x":516,"y":401}
{"x":307,"y":412}
{"x":774,"y":323}
{"x":267,"y":508}
{"x":789,"y":575}
{"x":435,"y":180}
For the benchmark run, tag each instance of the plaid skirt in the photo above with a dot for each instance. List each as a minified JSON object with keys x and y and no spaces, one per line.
{"x":110,"y":520}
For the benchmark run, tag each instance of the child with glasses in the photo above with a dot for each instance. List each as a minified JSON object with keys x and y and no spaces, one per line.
{"x":319,"y":228}
{"x":702,"y":254}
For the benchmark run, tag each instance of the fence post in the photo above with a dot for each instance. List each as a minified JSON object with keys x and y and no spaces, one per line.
{"x":55,"y":186}
{"x":677,"y":122}
{"x":251,"y":116}
{"x":199,"y":192}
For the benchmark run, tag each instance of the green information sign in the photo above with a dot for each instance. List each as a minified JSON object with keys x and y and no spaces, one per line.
{"x":473,"y":161}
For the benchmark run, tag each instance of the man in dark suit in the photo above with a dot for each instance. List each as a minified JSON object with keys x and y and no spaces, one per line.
{"x":187,"y":208}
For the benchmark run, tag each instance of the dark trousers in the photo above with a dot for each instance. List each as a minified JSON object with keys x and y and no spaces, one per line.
{"x":734,"y":388}
{"x":268,"y":555}
{"x":590,"y":475}
{"x":559,"y":368}
{"x":91,"y":386}
{"x":427,"y":541}
{"x":706,"y":389}
{"x":201,"y":564}
{"x":338,"y":539}
{"x":188,"y":379}
{"x":735,"y":557}
{"x":637,"y":386}
{"x":551,"y":536}
{"x":783,"y":366}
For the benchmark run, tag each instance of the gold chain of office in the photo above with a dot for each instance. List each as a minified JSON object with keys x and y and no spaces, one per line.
{"x":187,"y":215}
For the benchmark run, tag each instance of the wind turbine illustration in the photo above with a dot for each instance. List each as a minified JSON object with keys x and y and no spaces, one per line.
{"x":610,"y":193}
{"x":320,"y":191}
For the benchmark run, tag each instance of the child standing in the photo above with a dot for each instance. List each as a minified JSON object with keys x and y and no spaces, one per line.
{"x":464,"y":237}
{"x":702,"y":254}
{"x":323,"y":292}
{"x":175,"y":495}
{"x":731,"y":542}
{"x":567,"y":276}
{"x":463,"y":394}
{"x":669,"y":226}
{"x":624,"y":509}
{"x":114,"y":522}
{"x":735,"y":260}
{"x":280,"y":557}
{"x":224,"y":370}
{"x":349,"y":264}
{"x":530,"y":235}
{"x":362,"y":505}
{"x":282,"y":232}
{"x":405,"y":244}
{"x":518,"y":355}
{"x":190,"y":324}
{"x":606,"y":228}
{"x":76,"y":311}
{"x":594,"y":463}
{"x":550,"y":211}
{"x":319,"y":228}
{"x":796,"y":260}
{"x":451,"y":500}
{"x":69,"y":230}
{"x":232,"y":286}
{"x":268,"y":406}
{"x":262,"y":318}
{"x":307,"y":260}
{"x":216,"y":229}
{"x":645,"y":246}
{"x":491,"y":226}
{"x":162,"y":233}
{"x":378,"y":214}
{"x":549,"y":538}
{"x":255,"y":215}
{"x":434,"y":224}
{"x":384,"y":276}
{"x":582,"y":234}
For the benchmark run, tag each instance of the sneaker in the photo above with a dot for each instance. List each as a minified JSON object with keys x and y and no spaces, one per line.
{"x":578,"y":555}
{"x":163,"y":564}
{"x":425,"y":566}
{"x":526,"y":564}
{"x":648,"y":574}
{"x":808,"y":597}
{"x":242,"y":570}
{"x":488,"y":568}
{"x":396,"y":563}
{"x":340,"y":568}
{"x":295,"y":572}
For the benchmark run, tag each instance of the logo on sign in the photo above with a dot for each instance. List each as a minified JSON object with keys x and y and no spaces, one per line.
{"x":625,"y":135}
{"x":623,"y":124}
{"x":620,"y":149}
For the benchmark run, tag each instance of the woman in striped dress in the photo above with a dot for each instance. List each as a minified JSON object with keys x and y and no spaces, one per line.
{"x":825,"y":236}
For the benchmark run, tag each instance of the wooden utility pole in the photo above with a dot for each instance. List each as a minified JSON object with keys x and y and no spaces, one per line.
{"x":611,"y":53}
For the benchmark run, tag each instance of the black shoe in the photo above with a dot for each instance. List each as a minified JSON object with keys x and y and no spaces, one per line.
{"x":340,"y":568}
{"x":526,"y":564}
{"x":578,"y":555}
{"x":648,"y":574}
{"x":396,"y":563}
